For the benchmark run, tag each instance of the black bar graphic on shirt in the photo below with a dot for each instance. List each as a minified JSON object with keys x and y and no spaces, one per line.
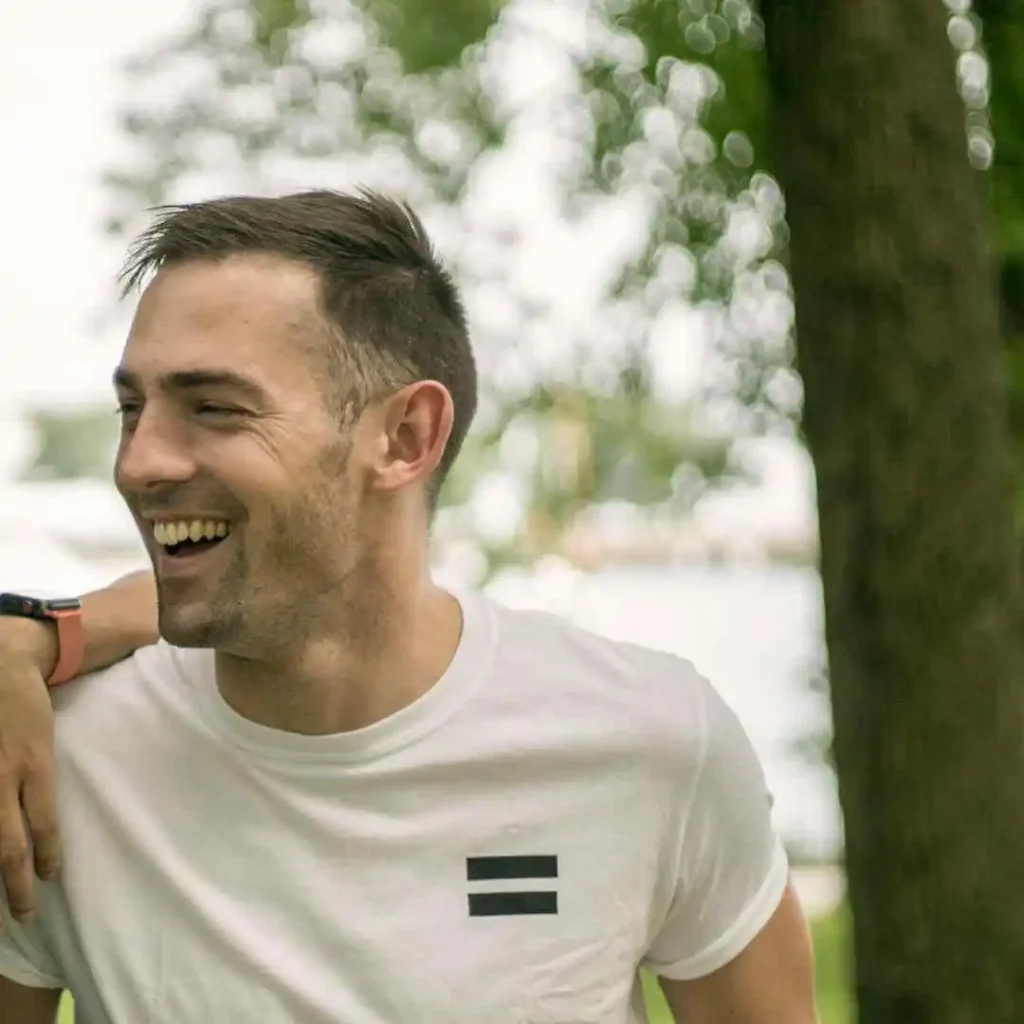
{"x":512,"y":904}
{"x":489,"y":869}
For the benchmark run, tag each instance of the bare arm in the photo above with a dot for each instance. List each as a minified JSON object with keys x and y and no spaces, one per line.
{"x":21,"y":1005}
{"x":116,"y":621}
{"x":770,"y":982}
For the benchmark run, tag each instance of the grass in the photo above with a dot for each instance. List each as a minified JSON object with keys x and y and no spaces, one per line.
{"x":832,"y":953}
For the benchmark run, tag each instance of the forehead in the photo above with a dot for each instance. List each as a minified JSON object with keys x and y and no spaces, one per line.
{"x":256,"y":315}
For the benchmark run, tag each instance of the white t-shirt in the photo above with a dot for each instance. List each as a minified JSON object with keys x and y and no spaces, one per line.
{"x":557,"y":811}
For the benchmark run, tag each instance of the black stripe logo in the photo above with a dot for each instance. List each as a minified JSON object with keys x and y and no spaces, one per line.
{"x":509,"y":903}
{"x":489,"y":869}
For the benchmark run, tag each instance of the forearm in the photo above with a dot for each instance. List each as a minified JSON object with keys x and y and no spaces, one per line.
{"x":116,"y":621}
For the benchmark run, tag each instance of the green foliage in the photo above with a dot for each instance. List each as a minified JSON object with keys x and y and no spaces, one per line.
{"x":666,"y":107}
{"x":1002,"y":22}
{"x":274,"y":22}
{"x":71,"y":445}
{"x":573,"y":448}
{"x":699,"y":63}
{"x":676,"y":98}
{"x":432,"y":35}
{"x":833,"y":956}
{"x":261,"y":80}
{"x":259,"y":84}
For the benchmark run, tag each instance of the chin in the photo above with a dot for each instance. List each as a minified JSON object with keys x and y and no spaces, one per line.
{"x":191,"y":627}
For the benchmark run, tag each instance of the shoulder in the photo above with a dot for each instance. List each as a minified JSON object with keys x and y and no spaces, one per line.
{"x":130,"y":700}
{"x":632,"y":714}
{"x":655,"y":700}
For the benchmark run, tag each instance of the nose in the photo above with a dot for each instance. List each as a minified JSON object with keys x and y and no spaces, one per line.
{"x":152,"y":454}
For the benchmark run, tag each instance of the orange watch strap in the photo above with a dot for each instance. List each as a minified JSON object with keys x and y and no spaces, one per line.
{"x":70,"y":645}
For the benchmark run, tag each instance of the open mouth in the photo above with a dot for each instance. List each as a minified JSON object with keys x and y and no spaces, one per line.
{"x":190,"y":547}
{"x":186,"y":538}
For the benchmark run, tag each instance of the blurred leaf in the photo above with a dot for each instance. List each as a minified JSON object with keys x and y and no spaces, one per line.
{"x":673,"y":96}
{"x":432,"y":35}
{"x":1002,"y":24}
{"x":274,"y":21}
{"x":257,"y":81}
{"x":71,"y":445}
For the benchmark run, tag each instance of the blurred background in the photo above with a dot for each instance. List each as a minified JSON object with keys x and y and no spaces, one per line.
{"x":598,"y":176}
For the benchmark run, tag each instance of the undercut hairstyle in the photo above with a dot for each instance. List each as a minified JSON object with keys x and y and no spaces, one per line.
{"x":391,"y":311}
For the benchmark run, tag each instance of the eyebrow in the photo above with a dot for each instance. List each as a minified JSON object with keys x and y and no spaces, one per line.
{"x":192,"y":380}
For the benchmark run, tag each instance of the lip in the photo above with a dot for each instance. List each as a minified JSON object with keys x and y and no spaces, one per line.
{"x":167,"y":566}
{"x":185,"y":517}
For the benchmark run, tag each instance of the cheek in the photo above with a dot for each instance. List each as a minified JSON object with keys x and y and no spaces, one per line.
{"x":313,"y":522}
{"x":296,"y":496}
{"x":255,"y":478}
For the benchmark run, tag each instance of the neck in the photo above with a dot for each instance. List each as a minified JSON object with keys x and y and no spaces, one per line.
{"x":378,"y":653}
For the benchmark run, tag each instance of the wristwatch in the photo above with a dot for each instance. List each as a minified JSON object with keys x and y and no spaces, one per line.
{"x":66,"y":615}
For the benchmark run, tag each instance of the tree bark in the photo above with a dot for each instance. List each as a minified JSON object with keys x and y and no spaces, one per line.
{"x":905,"y":417}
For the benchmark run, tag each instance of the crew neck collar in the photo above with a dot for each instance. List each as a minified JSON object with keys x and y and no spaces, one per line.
{"x":404,"y":727}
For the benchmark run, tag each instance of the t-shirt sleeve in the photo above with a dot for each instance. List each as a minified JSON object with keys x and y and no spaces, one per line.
{"x":732,"y":869}
{"x":25,"y":957}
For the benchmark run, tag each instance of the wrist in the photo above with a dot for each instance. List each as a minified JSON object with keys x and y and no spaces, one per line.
{"x":36,"y":639}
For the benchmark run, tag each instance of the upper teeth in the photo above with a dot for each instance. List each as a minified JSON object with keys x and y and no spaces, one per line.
{"x":197,"y":529}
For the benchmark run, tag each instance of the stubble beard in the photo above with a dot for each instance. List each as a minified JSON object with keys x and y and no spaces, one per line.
{"x":214,"y":620}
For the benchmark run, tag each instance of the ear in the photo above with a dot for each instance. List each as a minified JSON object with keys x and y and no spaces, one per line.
{"x":414,"y":427}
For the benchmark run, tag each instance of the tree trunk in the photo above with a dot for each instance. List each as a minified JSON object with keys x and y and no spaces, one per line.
{"x":905,"y":417}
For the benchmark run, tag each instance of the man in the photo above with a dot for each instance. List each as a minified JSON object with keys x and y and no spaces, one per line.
{"x":336,"y":792}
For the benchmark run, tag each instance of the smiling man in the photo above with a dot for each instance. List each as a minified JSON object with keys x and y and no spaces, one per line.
{"x":335,"y":791}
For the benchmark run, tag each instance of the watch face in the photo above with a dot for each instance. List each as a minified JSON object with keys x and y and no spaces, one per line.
{"x":18,"y":604}
{"x":36,"y":608}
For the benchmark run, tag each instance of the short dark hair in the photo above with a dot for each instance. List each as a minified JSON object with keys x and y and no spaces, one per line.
{"x":383,"y":287}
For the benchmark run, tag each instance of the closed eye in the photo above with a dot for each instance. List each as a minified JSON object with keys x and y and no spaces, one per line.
{"x":129,"y":410}
{"x":212,"y":409}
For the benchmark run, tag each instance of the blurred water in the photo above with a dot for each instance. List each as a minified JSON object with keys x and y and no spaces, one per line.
{"x":755,"y":632}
